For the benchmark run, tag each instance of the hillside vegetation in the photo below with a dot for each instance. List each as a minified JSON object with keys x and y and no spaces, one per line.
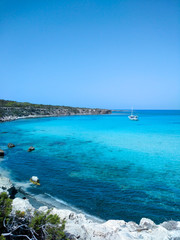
{"x":11,"y":110}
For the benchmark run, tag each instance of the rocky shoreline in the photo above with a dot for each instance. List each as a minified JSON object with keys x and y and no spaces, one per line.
{"x":11,"y":110}
{"x":79,"y":227}
{"x":13,"y":118}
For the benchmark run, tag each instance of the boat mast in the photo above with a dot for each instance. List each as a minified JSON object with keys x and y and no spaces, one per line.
{"x":132,"y":111}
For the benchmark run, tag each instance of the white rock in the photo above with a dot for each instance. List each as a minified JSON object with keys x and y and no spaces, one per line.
{"x":115,"y":225}
{"x":34,"y":178}
{"x":132,"y":226}
{"x":22,"y":205}
{"x":43,"y":209}
{"x":147,"y":223}
{"x":7,"y":186}
{"x":81,"y":228}
{"x":159,"y":233}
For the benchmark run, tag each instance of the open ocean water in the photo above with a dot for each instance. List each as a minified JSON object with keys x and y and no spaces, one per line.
{"x":105,"y":165}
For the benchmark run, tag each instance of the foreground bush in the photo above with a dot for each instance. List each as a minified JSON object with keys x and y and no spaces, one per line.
{"x":5,"y":209}
{"x":40,"y":226}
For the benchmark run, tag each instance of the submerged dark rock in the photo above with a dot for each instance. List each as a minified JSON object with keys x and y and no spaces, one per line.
{"x":60,"y":143}
{"x":11,"y":145}
{"x":30,"y":149}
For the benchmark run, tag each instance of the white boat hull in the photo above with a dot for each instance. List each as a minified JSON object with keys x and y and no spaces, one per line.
{"x":133,"y":118}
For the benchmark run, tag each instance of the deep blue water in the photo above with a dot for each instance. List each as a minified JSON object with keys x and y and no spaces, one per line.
{"x":106,"y":165}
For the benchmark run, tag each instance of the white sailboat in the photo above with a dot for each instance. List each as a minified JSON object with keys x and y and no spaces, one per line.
{"x":132,"y":116}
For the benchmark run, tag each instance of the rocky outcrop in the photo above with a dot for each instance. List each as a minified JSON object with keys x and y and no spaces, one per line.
{"x":7,"y":186}
{"x":22,"y":205}
{"x":30,"y":149}
{"x":11,"y":145}
{"x":11,"y":110}
{"x":78,"y":227}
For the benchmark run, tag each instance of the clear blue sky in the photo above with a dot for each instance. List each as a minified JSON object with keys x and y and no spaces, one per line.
{"x":91,"y":53}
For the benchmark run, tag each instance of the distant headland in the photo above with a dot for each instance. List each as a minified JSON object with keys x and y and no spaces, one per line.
{"x":12,"y":110}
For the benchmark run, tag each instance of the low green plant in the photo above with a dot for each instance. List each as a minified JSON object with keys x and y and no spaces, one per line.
{"x":41,"y":226}
{"x":55,"y":233}
{"x":2,"y":238}
{"x":20,"y":214}
{"x":5,"y":209}
{"x":48,"y":226}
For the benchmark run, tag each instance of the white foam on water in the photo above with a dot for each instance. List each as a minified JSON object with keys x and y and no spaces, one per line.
{"x":5,"y":173}
{"x":22,"y":185}
{"x":56,"y":199}
{"x":48,"y":199}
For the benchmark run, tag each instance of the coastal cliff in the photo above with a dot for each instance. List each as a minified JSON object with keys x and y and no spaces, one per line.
{"x":79,"y":227}
{"x":11,"y":110}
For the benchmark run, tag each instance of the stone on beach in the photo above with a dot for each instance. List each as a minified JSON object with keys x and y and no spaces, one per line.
{"x":1,"y":153}
{"x":11,"y":145}
{"x":30,"y":149}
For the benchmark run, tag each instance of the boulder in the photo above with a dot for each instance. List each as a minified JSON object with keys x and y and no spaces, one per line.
{"x":65,"y":214}
{"x":170,"y":225}
{"x":146,"y":223}
{"x":1,"y":153}
{"x":30,"y":149}
{"x":43,"y":209}
{"x":22,"y":205}
{"x":35,"y":179}
{"x":7,"y":186}
{"x":11,"y":145}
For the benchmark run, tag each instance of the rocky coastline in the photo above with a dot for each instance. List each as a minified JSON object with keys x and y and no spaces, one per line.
{"x":11,"y":110}
{"x":79,"y":227}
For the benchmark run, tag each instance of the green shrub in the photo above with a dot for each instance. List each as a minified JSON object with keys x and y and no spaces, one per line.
{"x":55,"y":233}
{"x":2,"y":238}
{"x":5,"y":208}
{"x":54,"y":227}
{"x":20,"y":214}
{"x":44,"y":226}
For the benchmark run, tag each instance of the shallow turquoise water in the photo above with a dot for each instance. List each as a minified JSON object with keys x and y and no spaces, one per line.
{"x":107,"y":166}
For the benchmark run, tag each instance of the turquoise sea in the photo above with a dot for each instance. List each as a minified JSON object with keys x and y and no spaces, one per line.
{"x":106,"y":165}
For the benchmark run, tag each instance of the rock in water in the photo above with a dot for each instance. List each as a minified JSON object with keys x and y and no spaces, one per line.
{"x":11,"y":145}
{"x":34,"y":178}
{"x":30,"y":149}
{"x":7,"y":186}
{"x":1,"y":153}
